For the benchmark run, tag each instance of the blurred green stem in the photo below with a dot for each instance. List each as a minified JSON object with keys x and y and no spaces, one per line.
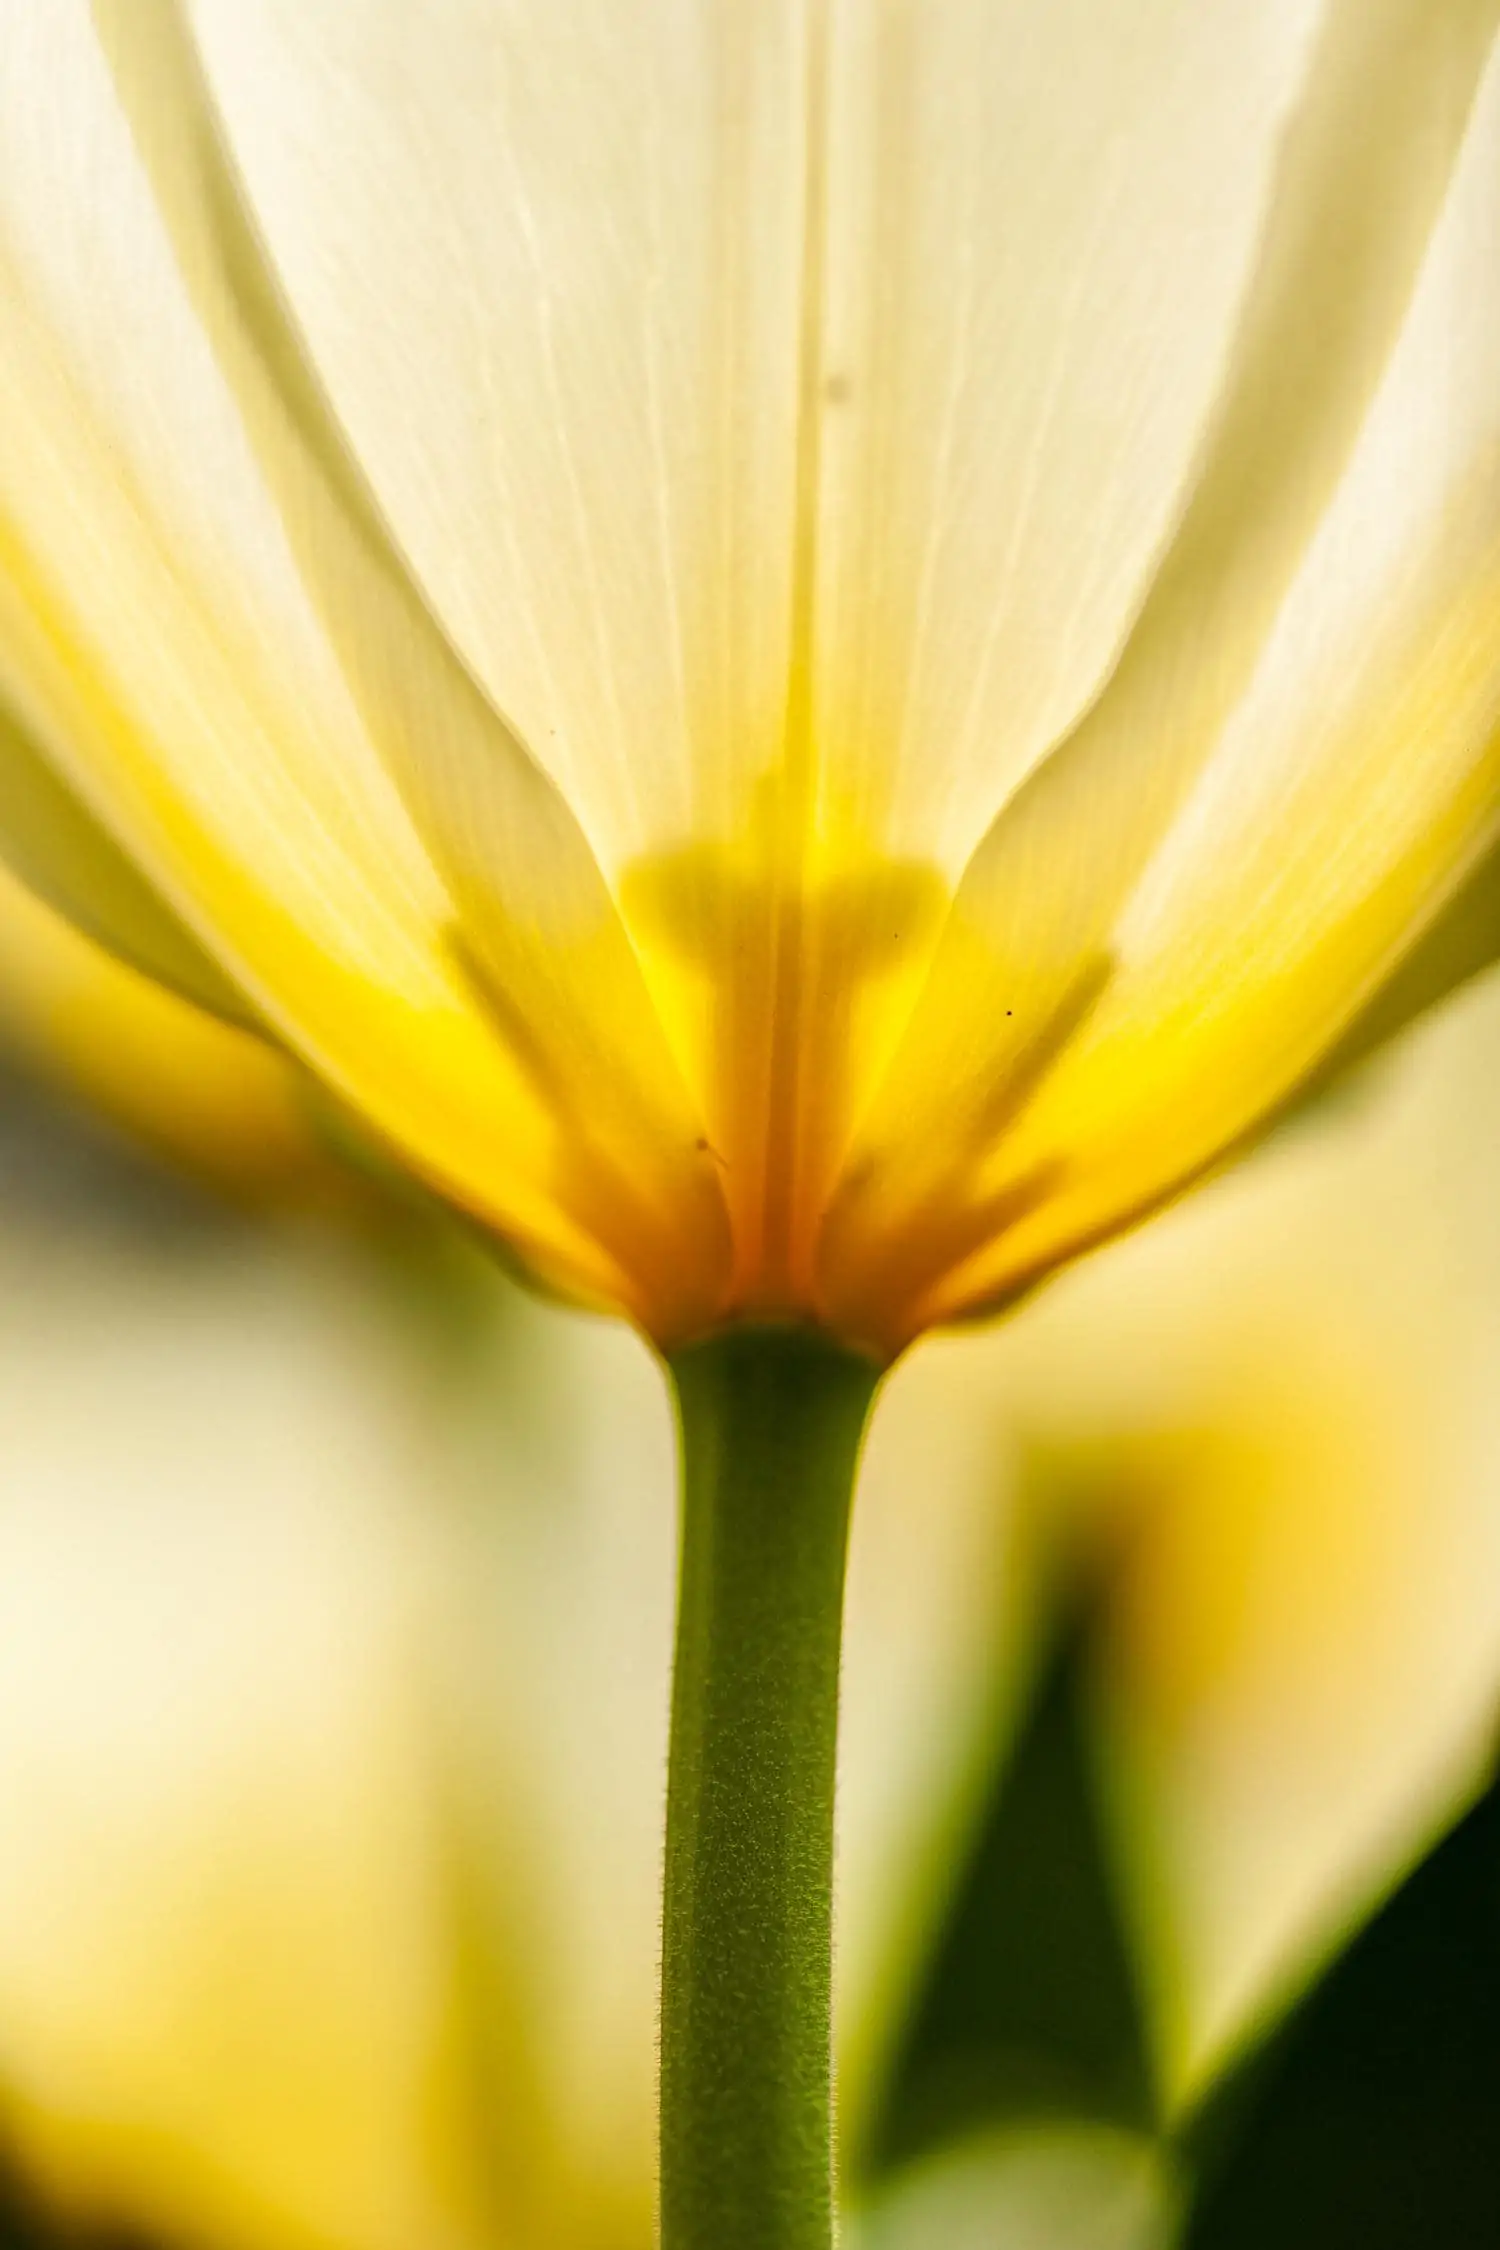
{"x":771,"y":1422}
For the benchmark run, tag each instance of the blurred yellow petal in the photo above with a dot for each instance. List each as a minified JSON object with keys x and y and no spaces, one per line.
{"x":1303,"y":1665}
{"x":206,"y":1096}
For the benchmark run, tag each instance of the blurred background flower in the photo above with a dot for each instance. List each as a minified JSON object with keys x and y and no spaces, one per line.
{"x":208,"y":1098}
{"x":333,"y":1647}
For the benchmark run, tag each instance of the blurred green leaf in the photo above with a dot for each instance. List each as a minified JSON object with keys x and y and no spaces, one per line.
{"x":1028,"y":2008}
{"x":1373,"y":2122}
{"x":1052,"y":2187}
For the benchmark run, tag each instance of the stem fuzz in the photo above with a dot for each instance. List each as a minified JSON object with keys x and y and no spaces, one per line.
{"x":771,"y":1422}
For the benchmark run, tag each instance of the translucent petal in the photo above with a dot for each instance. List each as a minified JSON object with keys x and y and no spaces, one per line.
{"x":829,"y":272}
{"x":1041,"y":224}
{"x":62,"y":853}
{"x":1364,"y":173}
{"x":1353,"y":789}
{"x":1082,"y":1006}
{"x":577,"y":233}
{"x":185,"y":538}
{"x":724,"y":379}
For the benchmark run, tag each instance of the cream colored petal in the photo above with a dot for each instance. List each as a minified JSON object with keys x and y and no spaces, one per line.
{"x":1365,"y":167}
{"x":577,"y":233}
{"x":665,"y":293}
{"x":1351,"y":792}
{"x":176,"y":543}
{"x":1333,"y":808}
{"x":1042,"y":222}
{"x":695,"y":321}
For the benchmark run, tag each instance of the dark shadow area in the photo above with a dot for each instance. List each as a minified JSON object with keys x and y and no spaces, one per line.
{"x":1028,"y":2008}
{"x":1373,"y":2122}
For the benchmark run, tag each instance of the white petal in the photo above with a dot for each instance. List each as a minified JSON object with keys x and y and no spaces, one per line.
{"x":1351,"y":792}
{"x":1364,"y":175}
{"x":575,"y":231}
{"x":1042,"y":222}
{"x":1037,"y":930}
{"x":169,"y":515}
{"x":699,"y":322}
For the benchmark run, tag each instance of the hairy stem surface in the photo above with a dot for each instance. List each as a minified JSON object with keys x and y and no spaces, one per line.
{"x":771,"y":1422}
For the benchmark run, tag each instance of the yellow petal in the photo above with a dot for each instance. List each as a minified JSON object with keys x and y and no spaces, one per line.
{"x":585,"y":237}
{"x":1101,"y":1022}
{"x":54,"y":845}
{"x":1354,"y":787}
{"x":695,"y":487}
{"x":206,"y":1095}
{"x":210,"y":579}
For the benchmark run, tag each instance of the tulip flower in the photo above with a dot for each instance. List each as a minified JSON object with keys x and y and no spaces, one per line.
{"x":810,"y":651}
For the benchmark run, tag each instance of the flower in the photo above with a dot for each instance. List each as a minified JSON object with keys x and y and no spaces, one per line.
{"x":811,"y":651}
{"x":267,"y":1675}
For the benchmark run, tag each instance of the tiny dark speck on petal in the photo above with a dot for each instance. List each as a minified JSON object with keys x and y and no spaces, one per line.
{"x":837,"y":390}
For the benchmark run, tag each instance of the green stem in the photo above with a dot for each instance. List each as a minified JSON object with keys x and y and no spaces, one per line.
{"x":771,"y":1421}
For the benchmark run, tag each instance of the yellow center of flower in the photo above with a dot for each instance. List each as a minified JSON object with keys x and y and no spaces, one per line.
{"x":784,"y":969}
